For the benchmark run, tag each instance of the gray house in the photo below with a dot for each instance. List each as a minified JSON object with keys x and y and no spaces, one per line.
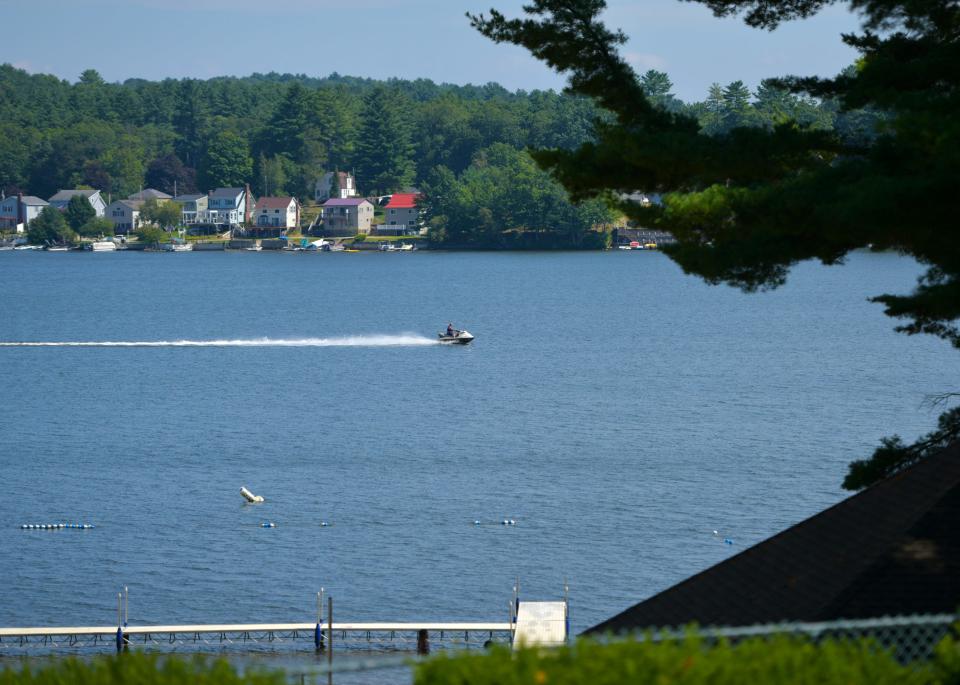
{"x":125,"y":215}
{"x":63,"y":197}
{"x":352,"y":215}
{"x":17,"y":211}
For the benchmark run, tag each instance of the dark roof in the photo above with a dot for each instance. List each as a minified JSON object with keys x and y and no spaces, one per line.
{"x":226,"y":193}
{"x":188,"y":198}
{"x":892,"y":549}
{"x":62,"y":195}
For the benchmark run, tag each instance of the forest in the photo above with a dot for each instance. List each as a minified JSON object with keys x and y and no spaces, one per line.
{"x":464,"y":146}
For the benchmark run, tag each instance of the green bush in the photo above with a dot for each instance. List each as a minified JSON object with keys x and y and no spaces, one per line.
{"x":139,"y":669}
{"x":775,"y":661}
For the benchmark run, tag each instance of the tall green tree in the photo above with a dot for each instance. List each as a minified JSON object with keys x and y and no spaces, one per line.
{"x":384,"y":157}
{"x":167,"y":214}
{"x":227,"y":162}
{"x":78,"y":212}
{"x":50,"y":228}
{"x":749,"y":203}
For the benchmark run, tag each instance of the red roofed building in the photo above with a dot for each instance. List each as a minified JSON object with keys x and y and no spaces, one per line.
{"x":401,"y":214}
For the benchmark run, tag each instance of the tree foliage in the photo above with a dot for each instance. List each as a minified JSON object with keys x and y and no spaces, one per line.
{"x":503,"y":193}
{"x":747,"y":203}
{"x":384,"y":156}
{"x":50,"y":228}
{"x":78,"y":212}
{"x":163,"y":214}
{"x":97,"y":226}
{"x":226,"y":162}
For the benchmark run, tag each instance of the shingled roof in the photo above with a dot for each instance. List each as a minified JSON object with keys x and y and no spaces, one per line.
{"x":892,"y":549}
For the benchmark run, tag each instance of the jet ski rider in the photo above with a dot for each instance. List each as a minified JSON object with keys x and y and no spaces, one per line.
{"x":451,"y":331}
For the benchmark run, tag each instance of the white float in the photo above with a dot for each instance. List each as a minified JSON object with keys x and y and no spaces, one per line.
{"x":250,"y":497}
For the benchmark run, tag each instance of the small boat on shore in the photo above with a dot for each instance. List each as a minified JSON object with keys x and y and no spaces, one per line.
{"x":103,"y":246}
{"x":254,"y":248}
{"x":58,"y":248}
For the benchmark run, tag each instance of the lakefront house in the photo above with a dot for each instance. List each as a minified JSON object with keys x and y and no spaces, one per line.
{"x":124,"y":215}
{"x":62,"y":198}
{"x":277,"y":213}
{"x":17,"y":211}
{"x":193,"y":208}
{"x":401,"y":215}
{"x":347,"y":216}
{"x":230,"y":206}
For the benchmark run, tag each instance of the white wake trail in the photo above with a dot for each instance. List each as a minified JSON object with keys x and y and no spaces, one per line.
{"x":400,"y":340}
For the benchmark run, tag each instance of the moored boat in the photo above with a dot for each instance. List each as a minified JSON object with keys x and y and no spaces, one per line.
{"x":103,"y":246}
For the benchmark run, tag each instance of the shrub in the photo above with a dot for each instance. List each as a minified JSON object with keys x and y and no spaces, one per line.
{"x":139,"y":668}
{"x":776,"y":661}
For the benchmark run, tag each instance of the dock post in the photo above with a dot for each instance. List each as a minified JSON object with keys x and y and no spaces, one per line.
{"x":423,"y":642}
{"x":318,"y":631}
{"x":120,"y":636}
{"x":566,"y":610}
{"x":330,"y":632}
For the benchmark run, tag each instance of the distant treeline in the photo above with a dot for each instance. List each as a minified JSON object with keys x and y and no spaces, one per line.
{"x":280,"y":132}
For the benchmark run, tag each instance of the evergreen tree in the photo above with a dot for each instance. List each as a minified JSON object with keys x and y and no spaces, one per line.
{"x":227,"y":163}
{"x":750,"y":203}
{"x":384,"y":157}
{"x":736,"y":105}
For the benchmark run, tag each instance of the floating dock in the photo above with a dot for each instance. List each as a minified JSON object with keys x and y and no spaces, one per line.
{"x":530,"y":624}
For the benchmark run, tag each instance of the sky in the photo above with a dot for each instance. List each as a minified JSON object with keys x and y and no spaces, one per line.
{"x":156,"y":39}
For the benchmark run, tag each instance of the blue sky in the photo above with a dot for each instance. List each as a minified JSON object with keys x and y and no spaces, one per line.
{"x":156,"y":39}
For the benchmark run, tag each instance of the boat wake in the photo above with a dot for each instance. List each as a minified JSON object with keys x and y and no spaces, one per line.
{"x":400,"y":340}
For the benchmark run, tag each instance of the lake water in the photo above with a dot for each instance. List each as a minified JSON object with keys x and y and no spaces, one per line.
{"x":618,"y":410}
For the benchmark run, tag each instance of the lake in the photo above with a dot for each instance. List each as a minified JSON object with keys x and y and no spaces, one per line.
{"x":616,"y":409}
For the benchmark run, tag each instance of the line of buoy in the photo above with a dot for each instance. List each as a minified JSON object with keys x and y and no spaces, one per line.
{"x":56,"y":526}
{"x":503,"y":522}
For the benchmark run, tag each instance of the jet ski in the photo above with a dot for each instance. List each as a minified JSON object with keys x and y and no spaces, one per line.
{"x":458,"y":338}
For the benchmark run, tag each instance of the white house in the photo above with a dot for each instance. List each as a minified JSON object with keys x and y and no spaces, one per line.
{"x":277,"y":212}
{"x":230,"y":206}
{"x":125,"y":215}
{"x":346,"y":187}
{"x":17,"y":211}
{"x":62,"y":199}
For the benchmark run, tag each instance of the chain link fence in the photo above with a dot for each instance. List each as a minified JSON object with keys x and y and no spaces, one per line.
{"x":909,"y":638}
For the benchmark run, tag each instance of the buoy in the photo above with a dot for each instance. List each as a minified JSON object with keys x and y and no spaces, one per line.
{"x":476,"y":522}
{"x":268,"y":524}
{"x":324,"y":524}
{"x":727,"y":541}
{"x":250,"y":497}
